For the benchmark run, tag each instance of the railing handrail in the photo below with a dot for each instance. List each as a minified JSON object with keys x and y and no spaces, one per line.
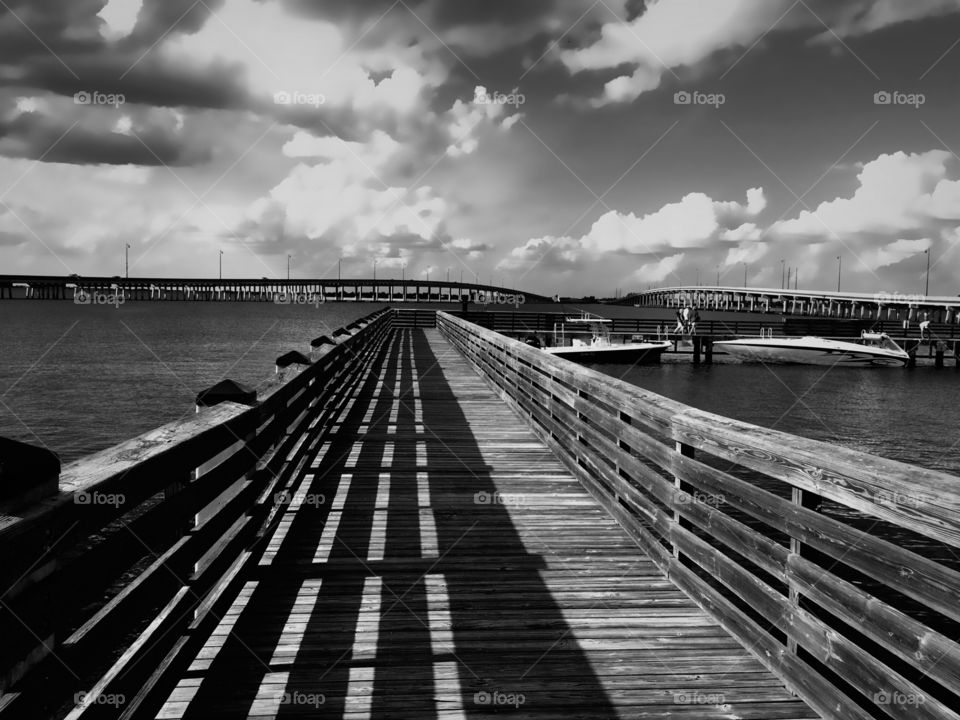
{"x":639,"y":455}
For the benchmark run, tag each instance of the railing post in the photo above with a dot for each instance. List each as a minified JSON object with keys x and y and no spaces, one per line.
{"x":681,"y":495}
{"x":810,"y":501}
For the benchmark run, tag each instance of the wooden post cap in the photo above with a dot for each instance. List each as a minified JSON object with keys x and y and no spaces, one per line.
{"x":322,"y":340}
{"x":227,"y":391}
{"x":27,"y":473}
{"x":292,"y":358}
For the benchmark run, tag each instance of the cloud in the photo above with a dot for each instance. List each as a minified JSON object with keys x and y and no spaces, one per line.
{"x":673,"y":34}
{"x":896,"y":193}
{"x":892,"y":253}
{"x":465,"y":120}
{"x":659,"y":270}
{"x":695,"y":221}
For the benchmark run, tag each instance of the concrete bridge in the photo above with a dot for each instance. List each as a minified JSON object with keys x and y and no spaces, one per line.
{"x":117,"y":289}
{"x":865,"y":306}
{"x":441,"y":522}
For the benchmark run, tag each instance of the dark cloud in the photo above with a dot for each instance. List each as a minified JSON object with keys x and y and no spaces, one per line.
{"x":158,"y":18}
{"x":36,"y":135}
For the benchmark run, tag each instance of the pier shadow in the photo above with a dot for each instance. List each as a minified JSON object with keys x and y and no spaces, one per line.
{"x":397,"y":591}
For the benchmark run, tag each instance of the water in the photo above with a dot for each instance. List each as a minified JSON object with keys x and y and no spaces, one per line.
{"x":899,"y":414}
{"x":79,"y":378}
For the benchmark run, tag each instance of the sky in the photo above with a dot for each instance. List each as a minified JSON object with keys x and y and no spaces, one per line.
{"x":555,"y":146}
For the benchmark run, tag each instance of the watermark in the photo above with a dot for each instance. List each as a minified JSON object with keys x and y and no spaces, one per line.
{"x":896,"y":297}
{"x":112,"y":699}
{"x":903,"y":499}
{"x":498,"y":498}
{"x":301,"y":699}
{"x":896,"y":97}
{"x":499,"y":698}
{"x":895,"y":697}
{"x":285,"y":497}
{"x":482,"y":97}
{"x":299,"y":299}
{"x":482,"y":297}
{"x":693,"y":697}
{"x":82,"y":297}
{"x":698,"y":498}
{"x":696,"y":97}
{"x":296,"y":97}
{"x":94,"y":97}
{"x":99,"y":498}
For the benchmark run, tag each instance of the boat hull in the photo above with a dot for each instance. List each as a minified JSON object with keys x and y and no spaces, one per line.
{"x":834,"y":355}
{"x":648,"y":354}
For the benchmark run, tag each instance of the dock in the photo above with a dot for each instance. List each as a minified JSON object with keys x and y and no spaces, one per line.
{"x":420,"y":517}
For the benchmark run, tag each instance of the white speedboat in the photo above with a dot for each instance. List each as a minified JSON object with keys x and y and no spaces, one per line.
{"x":587,"y":339}
{"x":873,"y":350}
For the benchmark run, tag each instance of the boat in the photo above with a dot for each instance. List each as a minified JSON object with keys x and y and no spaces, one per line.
{"x":873,"y":350}
{"x":599,"y":348}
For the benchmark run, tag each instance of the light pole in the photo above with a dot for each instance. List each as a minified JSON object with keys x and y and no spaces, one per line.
{"x":221,"y":265}
{"x":698,"y":277}
{"x":126,"y":261}
{"x":926,"y":288}
{"x":374,"y":270}
{"x":718,"y":276}
{"x":403,"y":272}
{"x":461,"y":276}
{"x":448,"y":275}
{"x":288,"y":266}
{"x":839,"y":265}
{"x":338,"y":268}
{"x":744,"y":274}
{"x":781,"y":273}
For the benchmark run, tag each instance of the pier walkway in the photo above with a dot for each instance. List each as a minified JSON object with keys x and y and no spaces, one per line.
{"x":443,"y":563}
{"x":422,"y":518}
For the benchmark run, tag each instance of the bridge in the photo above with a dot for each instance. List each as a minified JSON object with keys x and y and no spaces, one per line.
{"x":416,"y":516}
{"x":109,"y":290}
{"x":864,"y":306}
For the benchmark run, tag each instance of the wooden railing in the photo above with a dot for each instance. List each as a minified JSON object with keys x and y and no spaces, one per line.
{"x":113,"y":580}
{"x":785,"y":541}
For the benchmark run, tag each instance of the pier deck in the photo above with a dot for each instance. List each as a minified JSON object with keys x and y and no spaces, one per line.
{"x":437,"y":560}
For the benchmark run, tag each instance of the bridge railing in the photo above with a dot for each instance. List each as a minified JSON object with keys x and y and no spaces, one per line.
{"x":837,"y":569}
{"x":127,"y":564}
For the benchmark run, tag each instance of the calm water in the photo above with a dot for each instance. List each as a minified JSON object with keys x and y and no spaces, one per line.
{"x":78,"y":378}
{"x":906,"y":415}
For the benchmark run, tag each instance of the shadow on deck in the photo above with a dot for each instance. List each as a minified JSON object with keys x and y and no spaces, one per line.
{"x":437,"y":561}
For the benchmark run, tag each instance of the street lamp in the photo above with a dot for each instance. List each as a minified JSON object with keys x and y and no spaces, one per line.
{"x":288,"y":266}
{"x":839,"y":265}
{"x":448,"y":275}
{"x":781,"y":273}
{"x":403,"y":272}
{"x":744,"y":274}
{"x":926,"y":288}
{"x":718,"y":276}
{"x":374,"y":270}
{"x":126,"y":261}
{"x":221,"y":265}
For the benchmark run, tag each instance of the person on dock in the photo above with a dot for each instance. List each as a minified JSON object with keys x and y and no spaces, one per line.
{"x":925,"y":330}
{"x":694,"y":319}
{"x":681,"y":322}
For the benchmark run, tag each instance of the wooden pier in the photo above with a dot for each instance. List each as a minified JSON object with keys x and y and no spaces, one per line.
{"x":441,"y":522}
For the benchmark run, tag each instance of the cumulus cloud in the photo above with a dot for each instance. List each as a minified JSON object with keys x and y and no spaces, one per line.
{"x":660,"y":270}
{"x":892,"y":253}
{"x":465,"y":120}
{"x":896,"y":193}
{"x":694,"y":221}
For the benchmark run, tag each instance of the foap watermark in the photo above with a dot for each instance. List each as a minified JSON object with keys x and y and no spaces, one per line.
{"x":296,"y":97}
{"x":315,"y":299}
{"x":114,"y":700}
{"x":696,"y":97}
{"x":482,"y":297}
{"x":285,"y":497}
{"x":694,"y":697}
{"x":301,"y":699}
{"x":99,"y":498}
{"x":95,"y":297}
{"x":499,"y":698}
{"x":896,"y":97}
{"x":482,"y":97}
{"x":896,"y":297}
{"x":498,"y":498}
{"x":895,"y":697}
{"x":904,"y":499}
{"x":697,"y":498}
{"x":95,"y":97}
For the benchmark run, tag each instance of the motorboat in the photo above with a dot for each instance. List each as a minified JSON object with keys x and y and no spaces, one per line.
{"x":586,"y":338}
{"x":873,"y":350}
